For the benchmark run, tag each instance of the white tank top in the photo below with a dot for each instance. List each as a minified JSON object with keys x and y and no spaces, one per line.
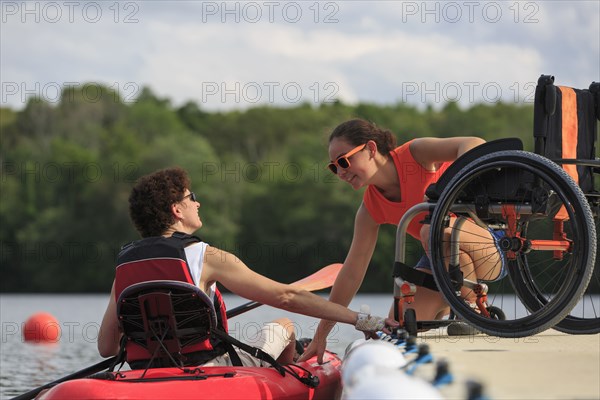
{"x":195,"y":258}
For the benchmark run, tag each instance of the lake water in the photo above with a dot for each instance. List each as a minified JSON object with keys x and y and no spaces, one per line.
{"x":79,"y":317}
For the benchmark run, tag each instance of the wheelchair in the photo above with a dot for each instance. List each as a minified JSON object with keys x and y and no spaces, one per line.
{"x":566,"y":115}
{"x":540,"y":252}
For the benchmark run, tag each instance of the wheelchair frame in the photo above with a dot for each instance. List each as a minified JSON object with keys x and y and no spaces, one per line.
{"x":575,"y":243}
{"x":542,"y":311}
{"x":583,"y":124}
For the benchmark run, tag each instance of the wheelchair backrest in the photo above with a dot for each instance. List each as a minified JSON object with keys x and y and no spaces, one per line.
{"x":434,"y":190}
{"x":565,"y":128}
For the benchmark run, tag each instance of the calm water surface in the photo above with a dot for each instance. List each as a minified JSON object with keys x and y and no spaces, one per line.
{"x":80,"y":315}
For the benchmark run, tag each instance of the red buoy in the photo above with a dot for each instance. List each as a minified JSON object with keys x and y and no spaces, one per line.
{"x":41,"y":328}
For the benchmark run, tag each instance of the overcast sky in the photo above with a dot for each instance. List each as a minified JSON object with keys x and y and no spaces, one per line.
{"x":226,"y":55}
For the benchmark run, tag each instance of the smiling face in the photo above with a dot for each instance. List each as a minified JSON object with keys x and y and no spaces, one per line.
{"x":360,"y":170}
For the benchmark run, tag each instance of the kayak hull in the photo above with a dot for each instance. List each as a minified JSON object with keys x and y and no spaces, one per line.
{"x":208,"y":383}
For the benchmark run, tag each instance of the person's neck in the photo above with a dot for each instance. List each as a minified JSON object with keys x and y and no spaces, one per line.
{"x":386,"y":179}
{"x":177,"y":227}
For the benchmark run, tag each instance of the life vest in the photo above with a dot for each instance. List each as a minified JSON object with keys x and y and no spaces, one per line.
{"x":163,"y":258}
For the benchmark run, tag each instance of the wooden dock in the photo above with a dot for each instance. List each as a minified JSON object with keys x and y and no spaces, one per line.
{"x":550,"y":365}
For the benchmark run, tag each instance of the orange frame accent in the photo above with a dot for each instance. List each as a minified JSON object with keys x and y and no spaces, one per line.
{"x":569,"y":136}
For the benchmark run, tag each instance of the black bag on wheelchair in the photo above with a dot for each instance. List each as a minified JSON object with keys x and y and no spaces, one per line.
{"x":565,"y":128}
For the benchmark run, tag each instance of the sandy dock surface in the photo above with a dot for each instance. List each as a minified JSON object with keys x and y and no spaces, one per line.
{"x":550,"y":365}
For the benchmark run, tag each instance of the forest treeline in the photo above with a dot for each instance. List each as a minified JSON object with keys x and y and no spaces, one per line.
{"x":260,"y":174}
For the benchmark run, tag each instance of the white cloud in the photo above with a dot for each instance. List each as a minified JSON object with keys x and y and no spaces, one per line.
{"x":372,"y":52}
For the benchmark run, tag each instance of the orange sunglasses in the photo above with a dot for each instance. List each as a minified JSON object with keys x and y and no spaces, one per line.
{"x":343,"y":161}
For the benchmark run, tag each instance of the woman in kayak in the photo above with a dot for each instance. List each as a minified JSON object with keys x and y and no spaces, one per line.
{"x":395,"y":178}
{"x":161,"y":204}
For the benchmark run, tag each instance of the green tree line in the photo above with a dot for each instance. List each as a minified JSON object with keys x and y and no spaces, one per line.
{"x":260,"y":174}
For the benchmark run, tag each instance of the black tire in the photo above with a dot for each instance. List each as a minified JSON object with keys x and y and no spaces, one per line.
{"x":410,"y":322}
{"x":584,"y":319}
{"x":496,"y":313}
{"x":535,"y":189}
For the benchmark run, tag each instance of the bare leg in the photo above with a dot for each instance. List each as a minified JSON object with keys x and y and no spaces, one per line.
{"x":287,"y":355}
{"x":468,"y":268}
{"x":428,"y":305}
{"x":479,"y":245}
{"x":479,"y":258}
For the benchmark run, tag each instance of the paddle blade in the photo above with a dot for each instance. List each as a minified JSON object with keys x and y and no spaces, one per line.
{"x":322,"y":279}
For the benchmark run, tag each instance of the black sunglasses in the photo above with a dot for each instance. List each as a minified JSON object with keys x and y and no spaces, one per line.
{"x":192,"y":196}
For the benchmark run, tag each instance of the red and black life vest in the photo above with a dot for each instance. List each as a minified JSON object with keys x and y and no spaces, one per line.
{"x":163,"y":258}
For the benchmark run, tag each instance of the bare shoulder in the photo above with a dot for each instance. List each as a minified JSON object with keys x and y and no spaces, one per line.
{"x":419,"y":143}
{"x":429,"y":151}
{"x":217,"y":260}
{"x":426,"y":145}
{"x":423,"y":151}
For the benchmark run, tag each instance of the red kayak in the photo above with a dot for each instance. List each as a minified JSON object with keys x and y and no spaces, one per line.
{"x":208,"y":383}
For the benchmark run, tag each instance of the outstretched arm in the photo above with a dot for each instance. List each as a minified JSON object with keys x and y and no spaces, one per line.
{"x":236,"y":276}
{"x":350,"y":277}
{"x":357,"y":261}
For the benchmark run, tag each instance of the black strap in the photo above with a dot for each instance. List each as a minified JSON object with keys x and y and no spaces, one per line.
{"x":253,"y":351}
{"x":309,"y":380}
{"x":456,"y":275}
{"x":120,"y":358}
{"x":177,"y":237}
{"x":186,"y":238}
{"x":228,"y":342}
{"x":236,"y":361}
{"x":415,"y":276}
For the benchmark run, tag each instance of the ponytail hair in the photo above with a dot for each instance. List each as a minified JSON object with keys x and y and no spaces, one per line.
{"x":358,"y":131}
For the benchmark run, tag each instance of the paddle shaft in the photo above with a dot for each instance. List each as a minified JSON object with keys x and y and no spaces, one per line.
{"x":102,"y":365}
{"x":322,"y":279}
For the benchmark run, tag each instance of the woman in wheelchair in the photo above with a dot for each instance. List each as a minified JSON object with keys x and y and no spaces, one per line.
{"x":395,"y":178}
{"x":162,"y":205}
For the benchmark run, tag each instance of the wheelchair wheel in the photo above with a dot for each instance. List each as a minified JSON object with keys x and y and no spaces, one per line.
{"x":496,"y":313}
{"x":584,"y":319}
{"x":410,"y":322}
{"x":528,"y":215}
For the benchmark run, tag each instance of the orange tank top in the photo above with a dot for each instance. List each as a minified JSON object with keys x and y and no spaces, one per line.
{"x":414,"y":180}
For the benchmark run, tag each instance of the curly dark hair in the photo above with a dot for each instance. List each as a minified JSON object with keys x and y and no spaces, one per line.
{"x":151,"y":199}
{"x":358,"y":131}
